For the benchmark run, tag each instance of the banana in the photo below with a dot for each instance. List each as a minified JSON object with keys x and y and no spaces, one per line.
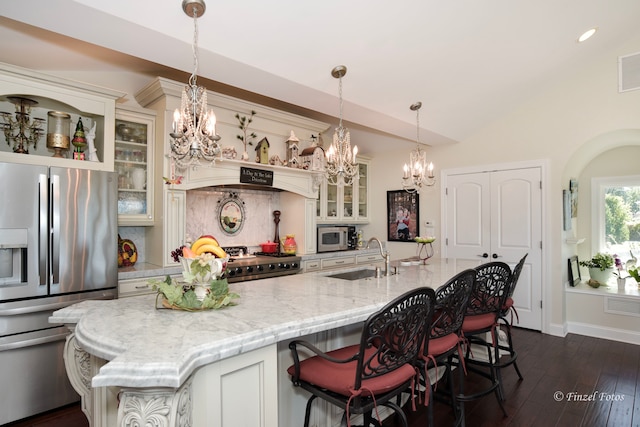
{"x":201,"y":242}
{"x":219,"y":252}
{"x":216,"y":250}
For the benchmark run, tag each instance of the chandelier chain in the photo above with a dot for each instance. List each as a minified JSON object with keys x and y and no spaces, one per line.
{"x":418,"y":126}
{"x":418,"y":172}
{"x":341,"y":166}
{"x":340,"y":97}
{"x":194,"y":48}
{"x":194,"y":135}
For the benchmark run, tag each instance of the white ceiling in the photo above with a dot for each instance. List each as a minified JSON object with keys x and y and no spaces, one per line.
{"x":468,"y":61}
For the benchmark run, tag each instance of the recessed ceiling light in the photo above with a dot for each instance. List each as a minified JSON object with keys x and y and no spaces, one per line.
{"x":587,"y":34}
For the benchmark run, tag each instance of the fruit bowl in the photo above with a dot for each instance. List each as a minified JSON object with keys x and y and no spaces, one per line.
{"x":425,"y":239}
{"x":217,"y":265}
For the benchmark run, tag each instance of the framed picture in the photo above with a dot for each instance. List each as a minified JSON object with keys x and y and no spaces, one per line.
{"x":566,"y":207}
{"x":573,"y":187}
{"x":231,"y":214}
{"x":403,"y":219}
{"x":574,"y":271}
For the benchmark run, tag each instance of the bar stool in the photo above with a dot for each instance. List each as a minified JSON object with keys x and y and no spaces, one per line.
{"x":485,"y":305}
{"x":507,"y":309}
{"x":361,"y":377}
{"x":445,"y":338}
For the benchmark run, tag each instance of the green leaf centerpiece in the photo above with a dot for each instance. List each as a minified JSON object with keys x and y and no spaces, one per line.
{"x":203,"y":287}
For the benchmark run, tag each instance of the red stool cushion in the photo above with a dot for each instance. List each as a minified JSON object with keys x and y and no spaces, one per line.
{"x":340,"y":377}
{"x":478,"y":322}
{"x":438,"y":346}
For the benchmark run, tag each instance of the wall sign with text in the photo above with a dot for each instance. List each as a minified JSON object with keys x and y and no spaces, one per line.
{"x":256,"y":176}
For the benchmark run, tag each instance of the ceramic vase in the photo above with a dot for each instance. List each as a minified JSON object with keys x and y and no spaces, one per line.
{"x":601,"y":276}
{"x":622,"y":281}
{"x":201,"y":284}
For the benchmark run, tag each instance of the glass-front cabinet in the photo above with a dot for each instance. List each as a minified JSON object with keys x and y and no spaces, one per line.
{"x":135,"y":131}
{"x":348,"y":203}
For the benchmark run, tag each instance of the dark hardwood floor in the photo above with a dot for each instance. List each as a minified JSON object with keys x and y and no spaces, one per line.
{"x":69,"y":416}
{"x":572,"y":381}
{"x":598,"y":380}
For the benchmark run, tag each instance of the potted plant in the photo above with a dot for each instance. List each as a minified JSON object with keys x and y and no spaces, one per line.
{"x":635,"y":273}
{"x":600,"y":268}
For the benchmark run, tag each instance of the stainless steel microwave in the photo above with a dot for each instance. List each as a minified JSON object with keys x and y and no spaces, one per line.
{"x":336,"y":238}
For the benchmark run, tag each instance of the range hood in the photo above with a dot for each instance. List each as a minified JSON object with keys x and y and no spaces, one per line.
{"x":227,"y":173}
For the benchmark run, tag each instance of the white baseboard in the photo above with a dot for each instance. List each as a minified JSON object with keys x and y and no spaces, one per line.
{"x":557,"y":329}
{"x":622,"y":335}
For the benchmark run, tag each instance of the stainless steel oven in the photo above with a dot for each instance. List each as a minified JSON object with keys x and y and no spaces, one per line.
{"x":243,"y":266}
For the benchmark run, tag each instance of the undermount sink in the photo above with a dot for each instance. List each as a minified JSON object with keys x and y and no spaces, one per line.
{"x":354,"y":275}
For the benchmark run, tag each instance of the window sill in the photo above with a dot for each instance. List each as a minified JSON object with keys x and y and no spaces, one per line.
{"x":631,"y":289}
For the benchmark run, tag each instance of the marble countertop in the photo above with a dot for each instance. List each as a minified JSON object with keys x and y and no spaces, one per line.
{"x":149,"y":347}
{"x":143,"y":270}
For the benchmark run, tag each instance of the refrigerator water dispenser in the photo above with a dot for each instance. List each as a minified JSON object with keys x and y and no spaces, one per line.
{"x":13,"y":256}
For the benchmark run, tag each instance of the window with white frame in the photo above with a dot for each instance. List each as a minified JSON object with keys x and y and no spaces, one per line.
{"x":616,"y":215}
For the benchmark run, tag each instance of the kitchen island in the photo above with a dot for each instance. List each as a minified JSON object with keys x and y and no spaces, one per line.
{"x":222,"y":367}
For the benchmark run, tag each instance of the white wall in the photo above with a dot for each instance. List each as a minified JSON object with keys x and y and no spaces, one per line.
{"x":564,"y":125}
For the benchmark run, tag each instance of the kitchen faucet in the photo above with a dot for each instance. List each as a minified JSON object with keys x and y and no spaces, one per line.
{"x":384,"y":254}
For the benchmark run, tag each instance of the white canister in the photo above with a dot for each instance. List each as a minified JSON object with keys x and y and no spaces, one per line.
{"x":138,"y":178}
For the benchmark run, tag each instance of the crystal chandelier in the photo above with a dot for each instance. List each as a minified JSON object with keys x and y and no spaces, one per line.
{"x":21,"y":131}
{"x":194,"y":128}
{"x":417,"y":173}
{"x":341,"y":166}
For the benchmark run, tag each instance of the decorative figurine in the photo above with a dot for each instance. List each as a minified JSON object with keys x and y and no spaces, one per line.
{"x":79,"y":141}
{"x":276,"y":160}
{"x":293,"y":161}
{"x":313,"y":157}
{"x":91,"y":136}
{"x":262,"y":151}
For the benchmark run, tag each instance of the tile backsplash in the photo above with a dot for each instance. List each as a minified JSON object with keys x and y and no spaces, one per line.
{"x":203,"y":217}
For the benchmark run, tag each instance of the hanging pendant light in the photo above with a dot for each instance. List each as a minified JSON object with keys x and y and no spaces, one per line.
{"x":417,"y":173}
{"x":341,"y":166}
{"x":194,"y":127}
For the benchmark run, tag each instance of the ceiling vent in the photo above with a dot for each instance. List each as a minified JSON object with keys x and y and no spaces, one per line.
{"x":629,"y":72}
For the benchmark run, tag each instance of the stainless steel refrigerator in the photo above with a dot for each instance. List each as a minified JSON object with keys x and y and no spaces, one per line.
{"x":58,"y":246}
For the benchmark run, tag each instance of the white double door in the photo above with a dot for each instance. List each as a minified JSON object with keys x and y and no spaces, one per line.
{"x":497,"y":216}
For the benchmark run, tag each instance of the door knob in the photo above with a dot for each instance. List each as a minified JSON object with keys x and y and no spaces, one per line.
{"x":484,"y":255}
{"x":494,"y":256}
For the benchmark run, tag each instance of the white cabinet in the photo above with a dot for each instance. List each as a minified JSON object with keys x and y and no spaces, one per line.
{"x":337,"y":260}
{"x":311,"y":265}
{"x":369,"y":259}
{"x":238,"y":391}
{"x":348,"y":203}
{"x":95,"y":106}
{"x":134,"y":156}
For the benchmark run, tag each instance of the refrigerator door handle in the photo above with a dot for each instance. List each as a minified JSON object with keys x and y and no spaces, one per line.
{"x":43,"y":228}
{"x":30,"y":342}
{"x":55,"y":229}
{"x":34,"y":308}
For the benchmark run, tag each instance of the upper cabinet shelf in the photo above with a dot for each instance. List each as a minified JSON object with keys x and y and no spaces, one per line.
{"x":93,"y":105}
{"x":134,"y":158}
{"x":345,"y":204}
